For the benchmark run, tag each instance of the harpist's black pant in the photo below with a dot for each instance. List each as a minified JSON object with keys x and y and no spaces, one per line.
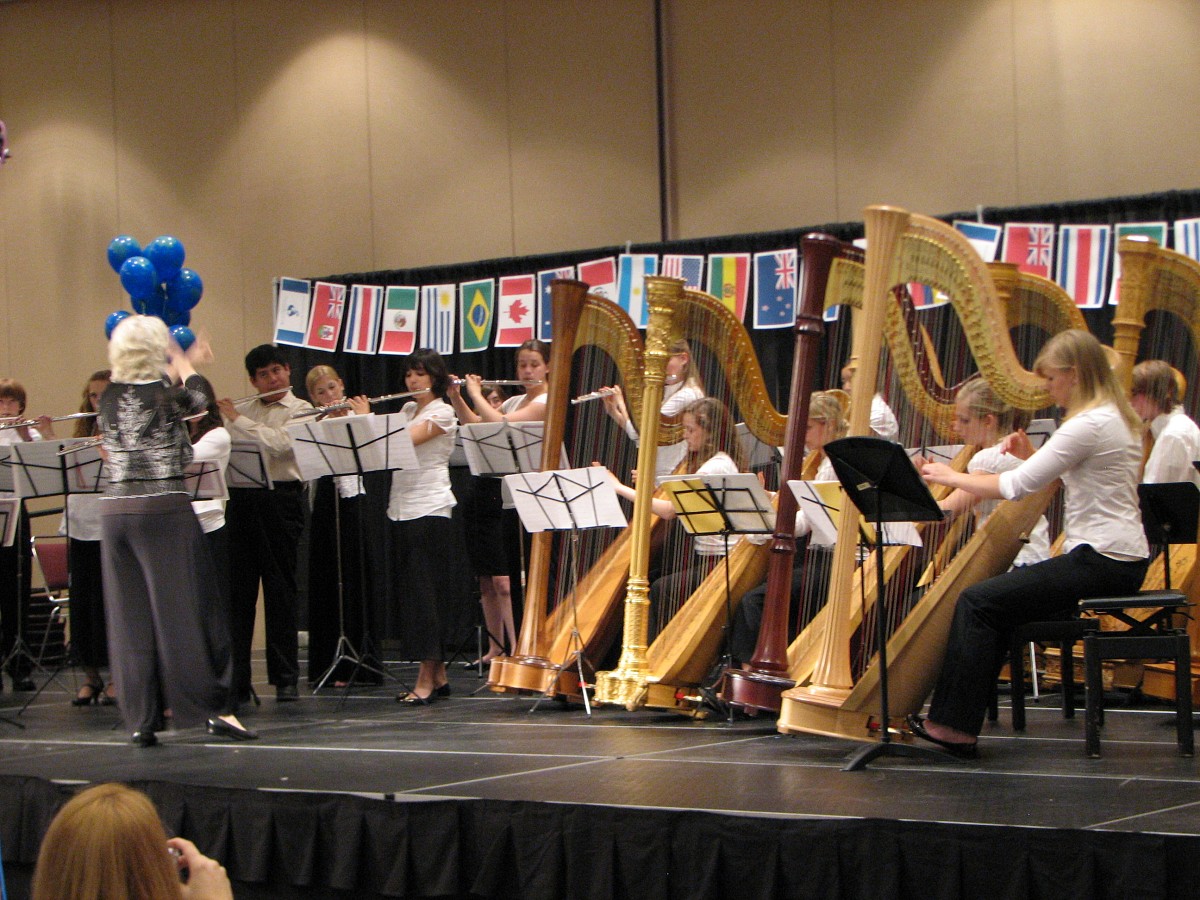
{"x":15,"y":564}
{"x":988,"y":612}
{"x":264,"y":530}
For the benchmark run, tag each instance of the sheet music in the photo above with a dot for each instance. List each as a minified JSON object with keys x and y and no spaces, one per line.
{"x":1039,"y":430}
{"x":38,"y":469}
{"x":822,"y":503}
{"x":506,"y":448}
{"x":352,"y":445}
{"x":715,"y":504}
{"x":248,"y":466}
{"x":566,"y":499}
{"x":943,"y":453}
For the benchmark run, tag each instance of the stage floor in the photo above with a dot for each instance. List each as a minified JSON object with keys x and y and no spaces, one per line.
{"x":477,"y":744}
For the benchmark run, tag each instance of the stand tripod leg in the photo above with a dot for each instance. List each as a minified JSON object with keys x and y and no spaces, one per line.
{"x":574,"y":657}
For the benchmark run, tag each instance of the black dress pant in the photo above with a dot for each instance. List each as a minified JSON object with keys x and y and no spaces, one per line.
{"x":264,"y":528}
{"x":15,"y":564}
{"x":89,"y":635}
{"x":987,"y":613}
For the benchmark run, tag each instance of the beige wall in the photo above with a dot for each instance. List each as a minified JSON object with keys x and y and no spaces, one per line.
{"x":305,"y":138}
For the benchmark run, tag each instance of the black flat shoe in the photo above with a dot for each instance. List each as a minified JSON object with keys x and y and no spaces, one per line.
{"x":90,"y":692}
{"x":286,"y":693}
{"x":414,"y":699}
{"x":144,"y":738}
{"x":221,"y":728}
{"x":443,"y":691}
{"x":24,"y":684}
{"x":959,"y":751}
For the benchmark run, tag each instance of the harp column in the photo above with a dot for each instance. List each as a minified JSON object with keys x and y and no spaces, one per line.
{"x":1137,"y":266}
{"x":626,"y":685}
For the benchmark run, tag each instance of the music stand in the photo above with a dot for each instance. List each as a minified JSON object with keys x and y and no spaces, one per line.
{"x":1170,"y":512}
{"x":10,"y":511}
{"x":498,"y":449}
{"x":42,"y":469}
{"x":351,"y":445}
{"x":721,"y":505}
{"x":567,"y":500}
{"x":882,"y":482}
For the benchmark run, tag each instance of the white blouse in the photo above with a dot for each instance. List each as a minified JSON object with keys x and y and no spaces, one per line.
{"x":213,"y":446}
{"x":1097,"y":457}
{"x":425,"y":490}
{"x":676,"y":398}
{"x":714,"y":544}
{"x":1176,"y":445}
{"x":993,"y":461}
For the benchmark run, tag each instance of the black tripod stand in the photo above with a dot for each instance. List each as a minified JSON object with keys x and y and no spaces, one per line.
{"x":882,"y":483}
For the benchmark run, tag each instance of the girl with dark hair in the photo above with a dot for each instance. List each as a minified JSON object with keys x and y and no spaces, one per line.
{"x":1156,"y":396}
{"x":419,"y":507}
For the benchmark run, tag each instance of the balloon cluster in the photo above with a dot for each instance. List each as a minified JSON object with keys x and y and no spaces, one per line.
{"x":157,"y":282}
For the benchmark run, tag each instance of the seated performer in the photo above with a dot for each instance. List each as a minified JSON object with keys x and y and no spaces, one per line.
{"x":493,"y":538}
{"x":681,"y":387}
{"x":1096,"y":452}
{"x":883,"y":420}
{"x":265,"y":525}
{"x":826,"y":422}
{"x":984,"y":420}
{"x":713,"y":449}
{"x":1156,"y":396}
{"x":335,"y":545}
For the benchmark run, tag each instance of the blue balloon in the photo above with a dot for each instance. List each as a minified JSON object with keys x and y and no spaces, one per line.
{"x":183,"y":336}
{"x":166,"y":253}
{"x":184,"y":290}
{"x":138,"y":304}
{"x":113,"y":320}
{"x":155,"y":305}
{"x":121,"y":248}
{"x":138,"y":276}
{"x":175,"y":317}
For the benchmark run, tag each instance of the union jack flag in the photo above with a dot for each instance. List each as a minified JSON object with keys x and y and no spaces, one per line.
{"x":1030,"y":246}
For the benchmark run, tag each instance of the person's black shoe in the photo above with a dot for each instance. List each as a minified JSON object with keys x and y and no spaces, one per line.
{"x":916,"y":725}
{"x":286,"y":693}
{"x":221,"y":728}
{"x":24,"y":684}
{"x":144,"y":738}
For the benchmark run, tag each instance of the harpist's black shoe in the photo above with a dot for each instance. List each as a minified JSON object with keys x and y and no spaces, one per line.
{"x":959,"y":751}
{"x":144,"y":738}
{"x":221,"y":728}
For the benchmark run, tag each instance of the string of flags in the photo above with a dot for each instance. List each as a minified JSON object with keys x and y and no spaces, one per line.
{"x":489,"y":312}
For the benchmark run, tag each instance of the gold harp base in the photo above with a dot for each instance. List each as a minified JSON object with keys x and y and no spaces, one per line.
{"x":829,"y":721}
{"x":621,"y":687}
{"x":525,"y":673}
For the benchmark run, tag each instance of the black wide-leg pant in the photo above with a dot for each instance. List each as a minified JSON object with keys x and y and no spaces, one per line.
{"x":988,"y":612}
{"x":160,"y":590}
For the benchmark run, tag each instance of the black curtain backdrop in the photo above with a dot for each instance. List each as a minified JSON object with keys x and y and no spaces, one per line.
{"x":378,"y":375}
{"x":280,"y":844}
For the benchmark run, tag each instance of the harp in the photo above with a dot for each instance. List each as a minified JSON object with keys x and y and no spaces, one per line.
{"x":686,"y":648}
{"x":532,"y":666}
{"x":1159,"y":317}
{"x":907,"y":248}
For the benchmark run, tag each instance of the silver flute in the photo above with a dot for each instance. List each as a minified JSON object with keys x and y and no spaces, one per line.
{"x":29,"y":423}
{"x":345,"y":404}
{"x":594,"y":395}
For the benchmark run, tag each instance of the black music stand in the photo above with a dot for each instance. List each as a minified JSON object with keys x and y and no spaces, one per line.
{"x":882,"y":482}
{"x":341,"y":446}
{"x":721,"y":505}
{"x":49,"y":469}
{"x":10,"y":511}
{"x":567,"y":500}
{"x":1170,"y":513}
{"x":499,"y":449}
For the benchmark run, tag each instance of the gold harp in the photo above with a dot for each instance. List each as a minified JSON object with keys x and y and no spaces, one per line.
{"x":903,"y":248}
{"x":687,"y":647}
